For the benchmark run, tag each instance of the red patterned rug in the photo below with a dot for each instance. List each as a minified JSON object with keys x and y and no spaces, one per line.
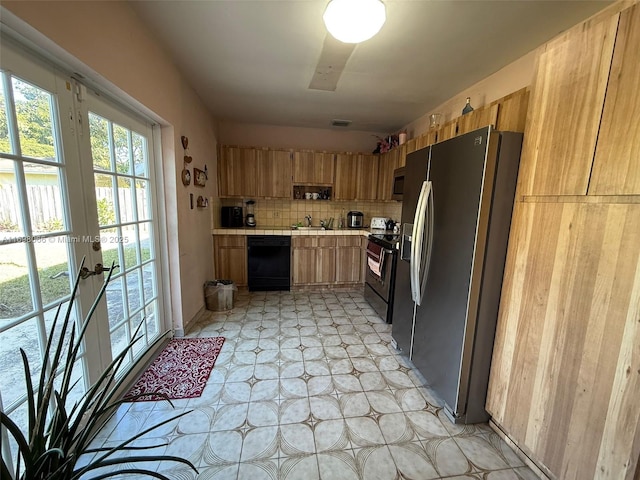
{"x":180,"y":371}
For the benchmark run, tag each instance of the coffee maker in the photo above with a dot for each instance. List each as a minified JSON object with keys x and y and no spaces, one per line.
{"x":250,"y":221}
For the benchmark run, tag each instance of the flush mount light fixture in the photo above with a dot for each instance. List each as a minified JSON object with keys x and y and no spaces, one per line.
{"x":354,"y":21}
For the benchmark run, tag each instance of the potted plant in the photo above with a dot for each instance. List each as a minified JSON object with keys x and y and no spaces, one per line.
{"x":58,"y":433}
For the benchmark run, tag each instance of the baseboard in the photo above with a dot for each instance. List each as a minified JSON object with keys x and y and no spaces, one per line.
{"x":539,"y":470}
{"x":179,"y":332}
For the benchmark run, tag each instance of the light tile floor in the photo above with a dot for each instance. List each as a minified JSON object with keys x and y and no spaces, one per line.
{"x":308,"y":387}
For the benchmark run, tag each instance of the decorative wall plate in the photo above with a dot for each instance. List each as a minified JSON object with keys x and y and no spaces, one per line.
{"x":186,"y":176}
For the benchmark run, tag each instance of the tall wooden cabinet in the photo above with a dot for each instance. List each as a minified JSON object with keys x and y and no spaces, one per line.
{"x":565,"y":376}
{"x":567,"y":98}
{"x":616,"y":166}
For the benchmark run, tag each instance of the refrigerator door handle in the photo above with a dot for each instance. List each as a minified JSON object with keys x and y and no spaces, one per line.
{"x":429,"y":241}
{"x":417,"y":242}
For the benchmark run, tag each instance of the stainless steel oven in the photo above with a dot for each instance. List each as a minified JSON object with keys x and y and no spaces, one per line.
{"x":382,"y":257}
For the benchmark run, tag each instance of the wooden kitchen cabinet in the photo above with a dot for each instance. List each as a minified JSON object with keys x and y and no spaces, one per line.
{"x":273,"y":173}
{"x":345,"y":185}
{"x":616,"y":166}
{"x":567,"y":99}
{"x":249,"y":172}
{"x":237,"y":168}
{"x":410,"y":146}
{"x":507,"y":114}
{"x":565,"y":375}
{"x":367,"y":179}
{"x":313,"y":168}
{"x":478,"y":118}
{"x":389,"y":161}
{"x":313,"y":260}
{"x":230,"y":256}
{"x":327,"y":260}
{"x":512,"y":111}
{"x":349,"y":259}
{"x":356,"y":176}
{"x":446,"y":131}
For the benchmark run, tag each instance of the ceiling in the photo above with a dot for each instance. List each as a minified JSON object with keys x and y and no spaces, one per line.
{"x":253,"y":61}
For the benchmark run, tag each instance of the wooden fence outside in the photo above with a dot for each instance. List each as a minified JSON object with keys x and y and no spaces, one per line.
{"x":45,"y":203}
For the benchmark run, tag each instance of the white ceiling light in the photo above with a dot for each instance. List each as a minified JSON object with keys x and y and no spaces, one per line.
{"x":354,"y":21}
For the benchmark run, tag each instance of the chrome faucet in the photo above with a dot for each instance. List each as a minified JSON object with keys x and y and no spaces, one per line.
{"x":308,"y":220}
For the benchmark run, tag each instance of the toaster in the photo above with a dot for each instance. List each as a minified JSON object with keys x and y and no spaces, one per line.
{"x":379,"y":223}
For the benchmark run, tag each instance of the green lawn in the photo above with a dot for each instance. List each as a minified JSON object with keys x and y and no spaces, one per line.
{"x":15,"y":294}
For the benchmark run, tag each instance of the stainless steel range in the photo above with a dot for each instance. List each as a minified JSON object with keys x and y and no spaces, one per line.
{"x":382,"y":256}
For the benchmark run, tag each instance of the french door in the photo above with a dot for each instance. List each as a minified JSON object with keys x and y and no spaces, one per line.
{"x":76,"y":181}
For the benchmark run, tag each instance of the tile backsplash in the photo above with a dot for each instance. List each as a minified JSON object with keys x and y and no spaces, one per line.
{"x":284,"y":213}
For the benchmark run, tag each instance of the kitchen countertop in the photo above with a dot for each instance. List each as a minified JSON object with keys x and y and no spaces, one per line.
{"x":364,"y":232}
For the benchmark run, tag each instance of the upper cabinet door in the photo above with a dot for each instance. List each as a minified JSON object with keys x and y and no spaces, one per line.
{"x":273,"y":173}
{"x":346,"y":176}
{"x":565,"y":109}
{"x":315,"y":168}
{"x":367,"y":177}
{"x":235,"y":167}
{"x":616,"y":168}
{"x":389,"y":161}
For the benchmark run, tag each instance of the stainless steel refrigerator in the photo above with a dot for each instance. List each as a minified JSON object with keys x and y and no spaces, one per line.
{"x":456,"y":211}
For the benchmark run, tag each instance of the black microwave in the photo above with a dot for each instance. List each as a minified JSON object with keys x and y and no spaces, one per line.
{"x":398,"y":184}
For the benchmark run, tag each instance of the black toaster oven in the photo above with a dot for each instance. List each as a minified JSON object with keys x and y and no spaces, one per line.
{"x":231,"y":217}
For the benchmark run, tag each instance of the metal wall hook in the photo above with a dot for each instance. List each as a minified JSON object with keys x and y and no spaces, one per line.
{"x":98,"y":270}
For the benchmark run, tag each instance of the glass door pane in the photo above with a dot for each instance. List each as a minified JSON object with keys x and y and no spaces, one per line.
{"x":37,"y":258}
{"x":70,"y":171}
{"x":122,"y":173}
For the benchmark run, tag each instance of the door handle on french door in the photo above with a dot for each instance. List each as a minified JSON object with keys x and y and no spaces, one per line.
{"x":99,"y":269}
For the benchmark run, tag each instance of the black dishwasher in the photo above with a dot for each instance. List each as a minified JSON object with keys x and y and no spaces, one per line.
{"x":269,"y":262}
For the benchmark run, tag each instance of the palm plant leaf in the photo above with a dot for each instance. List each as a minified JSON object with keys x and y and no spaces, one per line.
{"x":58,"y":434}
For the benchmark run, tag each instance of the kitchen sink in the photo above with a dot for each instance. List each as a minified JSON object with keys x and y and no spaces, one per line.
{"x":308,"y":228}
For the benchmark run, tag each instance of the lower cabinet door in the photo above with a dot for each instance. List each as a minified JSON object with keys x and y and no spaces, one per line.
{"x":230,"y":255}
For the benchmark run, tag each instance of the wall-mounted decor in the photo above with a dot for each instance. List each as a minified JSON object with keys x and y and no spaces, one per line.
{"x":202,"y":202}
{"x":199,"y":177}
{"x":186,"y":174}
{"x":185,"y":145}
